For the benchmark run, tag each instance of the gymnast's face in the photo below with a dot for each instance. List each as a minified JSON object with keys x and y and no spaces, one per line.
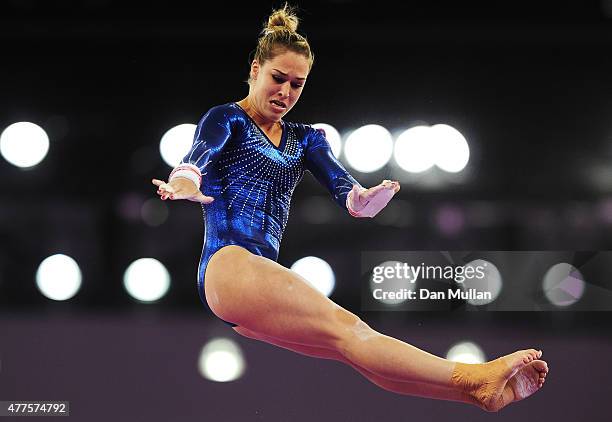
{"x":277,"y":84}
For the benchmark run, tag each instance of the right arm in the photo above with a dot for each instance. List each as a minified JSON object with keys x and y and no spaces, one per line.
{"x":212,"y":132}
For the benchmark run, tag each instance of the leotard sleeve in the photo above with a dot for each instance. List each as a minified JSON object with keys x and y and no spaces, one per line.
{"x":324,"y":166}
{"x":213,"y":131}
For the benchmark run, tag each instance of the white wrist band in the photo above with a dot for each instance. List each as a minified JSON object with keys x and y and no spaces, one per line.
{"x":348,"y":205}
{"x":187,"y":171}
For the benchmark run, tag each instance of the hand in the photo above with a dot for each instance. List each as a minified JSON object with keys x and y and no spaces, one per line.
{"x":369,"y":202}
{"x":181,"y":188}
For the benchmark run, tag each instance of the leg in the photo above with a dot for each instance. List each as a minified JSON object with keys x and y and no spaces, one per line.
{"x":266,"y":298}
{"x":406,"y":388}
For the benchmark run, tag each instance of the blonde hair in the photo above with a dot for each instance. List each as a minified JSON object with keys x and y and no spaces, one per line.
{"x":279,"y":35}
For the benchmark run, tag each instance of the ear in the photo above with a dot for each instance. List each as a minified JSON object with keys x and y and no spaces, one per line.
{"x":254,"y":69}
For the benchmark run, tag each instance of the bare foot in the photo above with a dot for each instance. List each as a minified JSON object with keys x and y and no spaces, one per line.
{"x":497,"y":383}
{"x":526,"y":381}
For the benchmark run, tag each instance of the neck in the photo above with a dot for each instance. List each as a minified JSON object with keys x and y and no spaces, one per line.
{"x":261,"y":121}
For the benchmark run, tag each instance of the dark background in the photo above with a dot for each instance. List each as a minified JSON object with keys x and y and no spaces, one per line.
{"x":527,"y":83}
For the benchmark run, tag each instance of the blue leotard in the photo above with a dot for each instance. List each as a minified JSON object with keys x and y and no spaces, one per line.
{"x":252,"y":180}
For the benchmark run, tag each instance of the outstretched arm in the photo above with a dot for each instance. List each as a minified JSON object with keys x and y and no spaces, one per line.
{"x":347,"y":192}
{"x":212,"y":132}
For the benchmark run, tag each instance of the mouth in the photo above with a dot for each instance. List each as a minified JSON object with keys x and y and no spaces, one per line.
{"x":278,"y":105}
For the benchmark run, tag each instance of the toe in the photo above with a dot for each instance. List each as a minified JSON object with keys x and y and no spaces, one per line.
{"x":529,"y":353}
{"x":540,"y":365}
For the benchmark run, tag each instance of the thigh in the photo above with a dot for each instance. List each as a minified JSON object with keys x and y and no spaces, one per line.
{"x":259,"y":294}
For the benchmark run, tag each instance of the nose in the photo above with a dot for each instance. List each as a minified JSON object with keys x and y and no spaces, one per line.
{"x":284,"y":90}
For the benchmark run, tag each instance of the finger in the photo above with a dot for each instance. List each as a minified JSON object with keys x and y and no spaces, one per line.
{"x":372,"y":192}
{"x":157,"y":182}
{"x":166,"y":193}
{"x":396,"y":186}
{"x":354,"y":202}
{"x":201,"y":198}
{"x":167,"y":188}
{"x":163,"y":193}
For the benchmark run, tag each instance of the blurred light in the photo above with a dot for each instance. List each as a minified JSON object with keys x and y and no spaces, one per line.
{"x":368,"y":148}
{"x":129,"y":206}
{"x":221,"y":360}
{"x":491,"y":282}
{"x":24,"y":144}
{"x":452,"y":150}
{"x":58,"y":277}
{"x":563,"y":284}
{"x":146,"y":280}
{"x":466,"y":352}
{"x":600,"y":177}
{"x":332,"y":136}
{"x":450,"y":220}
{"x":154,"y":212}
{"x":392,"y":284}
{"x":176,"y":143}
{"x":317,"y":272}
{"x":414,"y":149}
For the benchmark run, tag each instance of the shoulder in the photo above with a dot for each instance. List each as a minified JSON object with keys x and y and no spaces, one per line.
{"x":305,"y":132}
{"x":224,"y":112}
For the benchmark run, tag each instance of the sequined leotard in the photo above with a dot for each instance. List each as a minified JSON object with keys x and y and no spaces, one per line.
{"x":252,"y":180}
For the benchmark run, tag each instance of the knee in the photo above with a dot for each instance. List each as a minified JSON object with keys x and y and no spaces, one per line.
{"x":345,"y":318}
{"x":352,"y":330}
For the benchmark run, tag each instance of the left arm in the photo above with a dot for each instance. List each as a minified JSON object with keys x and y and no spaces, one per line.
{"x":326,"y":168}
{"x":346,"y":191}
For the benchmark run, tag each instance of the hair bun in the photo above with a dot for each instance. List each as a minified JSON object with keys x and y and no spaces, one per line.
{"x":284,"y":18}
{"x":280,"y":35}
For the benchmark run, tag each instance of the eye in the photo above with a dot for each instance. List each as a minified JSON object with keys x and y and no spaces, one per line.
{"x":281,"y":80}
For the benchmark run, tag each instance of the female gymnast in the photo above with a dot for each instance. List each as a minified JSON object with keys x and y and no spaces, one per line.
{"x":243,"y":167}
